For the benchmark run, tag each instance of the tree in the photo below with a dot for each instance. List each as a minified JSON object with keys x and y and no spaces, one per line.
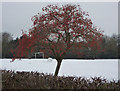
{"x":110,"y":46}
{"x":6,"y":39}
{"x":0,"y":45}
{"x":57,"y":30}
{"x":118,"y":46}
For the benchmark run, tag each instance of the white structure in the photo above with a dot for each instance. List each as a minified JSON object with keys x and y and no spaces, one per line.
{"x":38,"y":53}
{"x":49,"y":60}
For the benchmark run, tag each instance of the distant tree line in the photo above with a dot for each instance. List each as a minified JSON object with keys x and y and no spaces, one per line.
{"x":109,"y":48}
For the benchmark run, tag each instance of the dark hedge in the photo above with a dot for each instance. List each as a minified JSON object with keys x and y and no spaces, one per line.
{"x":35,"y":80}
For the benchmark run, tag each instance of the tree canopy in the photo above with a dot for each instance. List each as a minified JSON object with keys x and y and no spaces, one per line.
{"x":58,"y":29}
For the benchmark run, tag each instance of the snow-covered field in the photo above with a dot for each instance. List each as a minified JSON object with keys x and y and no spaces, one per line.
{"x":107,"y":68}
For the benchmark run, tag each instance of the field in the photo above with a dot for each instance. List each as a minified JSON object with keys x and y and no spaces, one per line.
{"x":106,"y":68}
{"x":74,"y":74}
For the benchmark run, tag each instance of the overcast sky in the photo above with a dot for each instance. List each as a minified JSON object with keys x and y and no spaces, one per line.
{"x":17,"y":16}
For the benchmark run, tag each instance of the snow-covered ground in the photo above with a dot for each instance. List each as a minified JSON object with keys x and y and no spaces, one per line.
{"x":107,"y":68}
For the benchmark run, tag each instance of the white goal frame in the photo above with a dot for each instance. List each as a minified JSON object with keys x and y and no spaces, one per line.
{"x":39,"y":53}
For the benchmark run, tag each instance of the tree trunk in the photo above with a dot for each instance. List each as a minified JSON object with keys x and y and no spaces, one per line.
{"x":58,"y":67}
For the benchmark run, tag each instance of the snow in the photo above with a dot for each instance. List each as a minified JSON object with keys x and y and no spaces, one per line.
{"x":106,"y":68}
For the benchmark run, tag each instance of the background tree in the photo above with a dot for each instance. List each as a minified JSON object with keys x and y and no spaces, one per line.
{"x":110,"y":46}
{"x":6,"y":46}
{"x":57,"y":30}
{"x":0,"y":45}
{"x":119,"y":46}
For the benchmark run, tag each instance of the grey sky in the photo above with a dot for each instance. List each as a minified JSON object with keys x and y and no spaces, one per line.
{"x":17,"y":16}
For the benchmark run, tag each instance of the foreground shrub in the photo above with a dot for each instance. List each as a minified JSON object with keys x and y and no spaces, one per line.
{"x":35,"y":80}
